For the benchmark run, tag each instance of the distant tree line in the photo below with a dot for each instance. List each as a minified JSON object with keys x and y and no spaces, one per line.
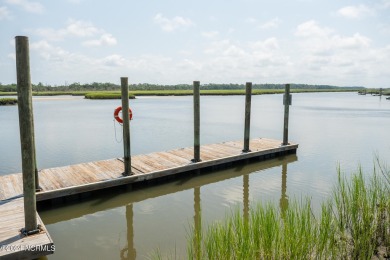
{"x":96,"y":86}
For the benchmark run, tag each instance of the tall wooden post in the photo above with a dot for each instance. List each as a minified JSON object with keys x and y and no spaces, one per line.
{"x":196,"y":121}
{"x":286,"y":102}
{"x":248,"y":95}
{"x":126,"y":125}
{"x":26,"y":126}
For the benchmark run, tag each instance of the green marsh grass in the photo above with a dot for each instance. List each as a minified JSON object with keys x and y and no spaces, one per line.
{"x":117,"y":95}
{"x":106,"y":95}
{"x":218,"y":92}
{"x":354,"y":223}
{"x":8,"y":101}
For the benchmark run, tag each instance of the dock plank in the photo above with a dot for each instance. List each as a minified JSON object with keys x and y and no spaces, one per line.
{"x":167,"y":163}
{"x":12,"y":244}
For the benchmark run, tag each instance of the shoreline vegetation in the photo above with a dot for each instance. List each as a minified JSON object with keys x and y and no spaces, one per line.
{"x":112,"y":91}
{"x":354,"y":223}
{"x":8,"y":101}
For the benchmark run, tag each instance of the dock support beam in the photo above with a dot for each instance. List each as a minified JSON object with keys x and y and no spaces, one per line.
{"x":248,"y":95}
{"x":196,"y":122}
{"x":26,"y":125}
{"x":286,"y":102}
{"x":126,"y":125}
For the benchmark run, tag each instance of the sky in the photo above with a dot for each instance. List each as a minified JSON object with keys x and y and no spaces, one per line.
{"x":334,"y":42}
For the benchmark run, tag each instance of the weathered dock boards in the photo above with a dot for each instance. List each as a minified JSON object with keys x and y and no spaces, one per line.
{"x":13,"y":245}
{"x":84,"y":177}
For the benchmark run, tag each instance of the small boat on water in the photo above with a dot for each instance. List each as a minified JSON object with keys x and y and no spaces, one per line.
{"x":388,"y":98}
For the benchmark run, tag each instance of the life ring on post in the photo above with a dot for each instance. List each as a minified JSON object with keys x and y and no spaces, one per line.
{"x":117,"y":117}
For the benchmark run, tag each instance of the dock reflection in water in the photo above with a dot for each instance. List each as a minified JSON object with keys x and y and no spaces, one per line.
{"x":117,"y":199}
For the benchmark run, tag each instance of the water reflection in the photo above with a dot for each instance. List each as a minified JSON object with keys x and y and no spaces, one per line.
{"x":109,"y":199}
{"x":103,"y":207}
{"x":129,"y":252}
{"x":197,"y":224}
{"x":245,"y":185}
{"x":284,"y":198}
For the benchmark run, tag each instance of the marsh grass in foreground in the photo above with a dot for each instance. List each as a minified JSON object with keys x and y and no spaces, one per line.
{"x":353,"y":224}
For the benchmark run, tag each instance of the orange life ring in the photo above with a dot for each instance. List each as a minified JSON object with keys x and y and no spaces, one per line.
{"x":116,"y":114}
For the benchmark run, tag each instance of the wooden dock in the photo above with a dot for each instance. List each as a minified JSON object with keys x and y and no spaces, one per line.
{"x":68,"y":180}
{"x":14,"y":245}
{"x":85,"y":177}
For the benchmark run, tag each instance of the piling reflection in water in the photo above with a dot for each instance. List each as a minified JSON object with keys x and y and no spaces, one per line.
{"x":197,"y":223}
{"x":245,"y":202}
{"x":129,"y":252}
{"x":284,"y":198}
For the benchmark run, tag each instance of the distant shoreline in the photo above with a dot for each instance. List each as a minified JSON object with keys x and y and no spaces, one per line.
{"x":135,"y":93}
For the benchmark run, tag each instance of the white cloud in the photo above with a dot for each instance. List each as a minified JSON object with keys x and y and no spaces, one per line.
{"x":49,"y":52}
{"x":105,"y":39}
{"x":228,"y":60}
{"x":251,"y":20}
{"x":210,"y":34}
{"x":170,"y":25}
{"x":4,"y":13}
{"x":312,"y":29}
{"x":322,"y":53}
{"x":323,"y":40}
{"x":114,"y":60}
{"x":271,"y":24}
{"x":357,"y":41}
{"x":385,"y":4}
{"x":77,"y":28}
{"x":190,"y":65}
{"x":384,"y":28}
{"x":12,"y":56}
{"x":234,"y":51}
{"x":354,"y":12}
{"x":266,"y":45}
{"x":81,"y":28}
{"x":28,"y":6}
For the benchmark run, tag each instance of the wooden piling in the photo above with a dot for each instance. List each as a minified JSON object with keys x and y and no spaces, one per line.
{"x":126,"y":125}
{"x":26,"y":126}
{"x":248,"y":95}
{"x":196,"y":121}
{"x":286,"y":102}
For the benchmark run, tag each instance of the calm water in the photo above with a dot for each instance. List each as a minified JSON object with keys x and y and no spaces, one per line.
{"x":331,"y":128}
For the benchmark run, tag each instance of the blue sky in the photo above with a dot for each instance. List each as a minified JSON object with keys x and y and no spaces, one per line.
{"x":336,"y":42}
